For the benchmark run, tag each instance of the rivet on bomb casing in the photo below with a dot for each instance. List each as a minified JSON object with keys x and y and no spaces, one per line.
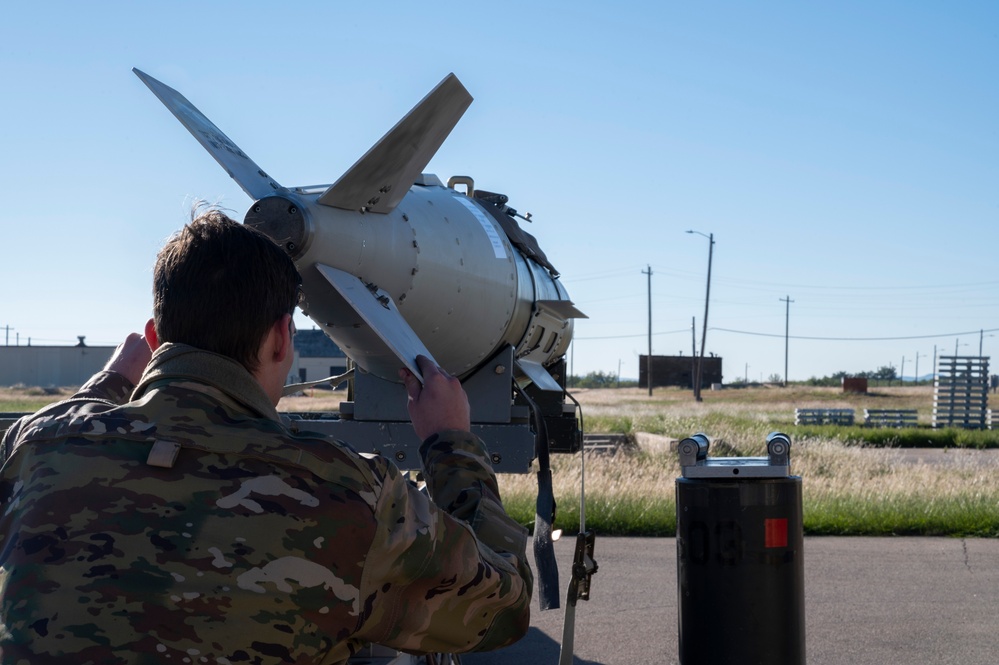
{"x":400,"y":455}
{"x":496,"y":458}
{"x":292,"y":210}
{"x":500,"y":369}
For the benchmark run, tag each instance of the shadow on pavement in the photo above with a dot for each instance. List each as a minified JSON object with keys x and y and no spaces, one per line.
{"x":536,"y":647}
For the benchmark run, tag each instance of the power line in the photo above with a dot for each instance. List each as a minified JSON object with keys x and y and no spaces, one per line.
{"x":820,"y":339}
{"x":668,"y":332}
{"x":881,"y":287}
{"x":856,"y":339}
{"x":620,"y":272}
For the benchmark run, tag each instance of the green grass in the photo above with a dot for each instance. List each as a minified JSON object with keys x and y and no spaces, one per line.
{"x":903,"y":516}
{"x":28,"y":399}
{"x":904,"y":437}
{"x":609,"y":516}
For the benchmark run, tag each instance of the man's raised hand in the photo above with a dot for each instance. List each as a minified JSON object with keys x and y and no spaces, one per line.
{"x":439,"y":404}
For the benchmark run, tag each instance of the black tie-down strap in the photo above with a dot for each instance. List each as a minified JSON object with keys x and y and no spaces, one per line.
{"x":544,"y":514}
{"x":544,"y":549}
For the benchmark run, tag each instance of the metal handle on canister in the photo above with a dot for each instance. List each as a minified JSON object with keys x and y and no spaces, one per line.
{"x":693,"y":448}
{"x":779,"y":448}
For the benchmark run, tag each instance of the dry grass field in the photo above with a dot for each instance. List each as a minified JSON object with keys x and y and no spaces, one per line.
{"x":603,"y":401}
{"x":770,"y":403}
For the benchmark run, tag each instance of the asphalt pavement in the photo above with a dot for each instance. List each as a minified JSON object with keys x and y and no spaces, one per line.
{"x":877,"y":601}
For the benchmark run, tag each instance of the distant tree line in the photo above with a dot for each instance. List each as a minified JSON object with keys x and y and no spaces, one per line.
{"x":884,"y":374}
{"x":600,"y":380}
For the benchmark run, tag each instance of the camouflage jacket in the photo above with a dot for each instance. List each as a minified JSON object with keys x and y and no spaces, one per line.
{"x":189,"y":525}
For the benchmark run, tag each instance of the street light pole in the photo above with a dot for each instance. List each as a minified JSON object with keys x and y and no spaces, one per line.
{"x":704,"y":329}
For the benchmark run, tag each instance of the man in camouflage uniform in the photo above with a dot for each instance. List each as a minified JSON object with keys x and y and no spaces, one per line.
{"x":165,"y":514}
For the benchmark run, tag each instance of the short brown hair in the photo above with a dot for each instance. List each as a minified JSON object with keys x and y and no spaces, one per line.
{"x":219,"y":285}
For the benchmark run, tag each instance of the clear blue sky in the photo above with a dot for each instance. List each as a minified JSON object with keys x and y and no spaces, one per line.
{"x":845,"y":155}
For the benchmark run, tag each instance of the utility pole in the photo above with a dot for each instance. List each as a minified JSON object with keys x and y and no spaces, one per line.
{"x":917,"y":367}
{"x":7,"y":338}
{"x":981,"y":338}
{"x":648,"y":361}
{"x":747,"y":374}
{"x":787,"y":327}
{"x":704,"y":330}
{"x":901,"y":372}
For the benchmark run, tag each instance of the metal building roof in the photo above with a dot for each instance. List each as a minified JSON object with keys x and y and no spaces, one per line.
{"x":315,"y":344}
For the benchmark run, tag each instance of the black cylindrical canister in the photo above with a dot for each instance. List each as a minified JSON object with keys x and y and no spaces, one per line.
{"x":740,"y":571}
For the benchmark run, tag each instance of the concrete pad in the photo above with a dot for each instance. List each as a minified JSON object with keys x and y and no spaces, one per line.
{"x":876,"y":601}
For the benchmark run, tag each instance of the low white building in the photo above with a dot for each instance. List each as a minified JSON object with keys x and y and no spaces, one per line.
{"x":51,"y":366}
{"x":316,"y":357}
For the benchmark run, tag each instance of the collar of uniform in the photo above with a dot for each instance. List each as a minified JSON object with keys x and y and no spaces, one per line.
{"x":180,"y":362}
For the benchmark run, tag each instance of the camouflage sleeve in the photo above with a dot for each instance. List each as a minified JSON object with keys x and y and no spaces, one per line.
{"x":107,"y":386}
{"x":461,"y":480}
{"x":453,"y":578}
{"x":105,"y":390}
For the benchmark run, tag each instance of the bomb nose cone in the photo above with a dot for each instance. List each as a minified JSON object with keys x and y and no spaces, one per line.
{"x":284,"y":221}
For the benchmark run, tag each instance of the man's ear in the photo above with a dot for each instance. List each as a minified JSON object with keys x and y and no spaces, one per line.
{"x":151,"y":339}
{"x":282,"y":338}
